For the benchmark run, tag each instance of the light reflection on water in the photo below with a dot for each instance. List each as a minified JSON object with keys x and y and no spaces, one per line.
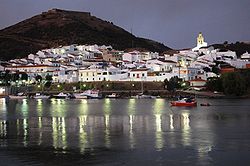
{"x":149,"y":125}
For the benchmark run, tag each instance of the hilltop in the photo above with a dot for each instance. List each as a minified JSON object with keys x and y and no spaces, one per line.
{"x":59,"y":27}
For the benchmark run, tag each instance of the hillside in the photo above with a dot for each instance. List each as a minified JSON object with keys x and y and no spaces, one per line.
{"x":59,"y":27}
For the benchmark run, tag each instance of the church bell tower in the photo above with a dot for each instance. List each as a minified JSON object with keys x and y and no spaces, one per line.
{"x":200,"y":39}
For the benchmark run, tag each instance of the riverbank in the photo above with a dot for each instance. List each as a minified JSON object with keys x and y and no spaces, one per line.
{"x":122,"y":89}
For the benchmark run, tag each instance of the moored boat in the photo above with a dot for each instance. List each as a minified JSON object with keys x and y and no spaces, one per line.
{"x":60,"y":96}
{"x":142,"y":96}
{"x":185,"y":102}
{"x":80,"y":96}
{"x":113,"y":95}
{"x":40,"y":96}
{"x":205,"y":104}
{"x":92,"y":94}
{"x":18,"y":96}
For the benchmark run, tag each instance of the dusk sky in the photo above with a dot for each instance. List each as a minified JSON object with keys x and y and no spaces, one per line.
{"x":174,"y":23}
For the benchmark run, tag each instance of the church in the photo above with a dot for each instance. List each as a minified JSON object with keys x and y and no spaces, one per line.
{"x":200,"y":42}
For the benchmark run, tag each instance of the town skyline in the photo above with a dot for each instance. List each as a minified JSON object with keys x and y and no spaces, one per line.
{"x":164,"y":21}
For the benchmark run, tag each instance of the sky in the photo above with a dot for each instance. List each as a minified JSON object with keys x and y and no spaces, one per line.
{"x":175,"y":23}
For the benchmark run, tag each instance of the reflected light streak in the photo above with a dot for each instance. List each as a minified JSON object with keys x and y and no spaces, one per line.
{"x":158,"y":134}
{"x":107,"y":131}
{"x":131,"y":106}
{"x":3,"y":105}
{"x":39,"y":107}
{"x":40,"y":130}
{"x":107,"y":112}
{"x":107,"y":108}
{"x":59,"y":132}
{"x":83,"y":107}
{"x":186,"y":129}
{"x":25,"y":128}
{"x":159,"y":106}
{"x":171,"y":123}
{"x":24,"y":108}
{"x":18,"y":127}
{"x":3,"y":128}
{"x":131,"y":134}
{"x":83,"y":141}
{"x":158,"y":122}
{"x":63,"y":128}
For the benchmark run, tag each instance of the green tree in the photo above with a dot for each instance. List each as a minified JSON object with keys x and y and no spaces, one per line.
{"x":24,"y":76}
{"x":214,"y":84}
{"x":39,"y":78}
{"x":173,"y":83}
{"x":234,"y":84}
{"x":49,"y":80}
{"x":15,"y":77}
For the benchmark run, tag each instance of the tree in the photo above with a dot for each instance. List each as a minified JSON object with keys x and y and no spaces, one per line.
{"x":172,"y":84}
{"x":234,"y":84}
{"x":48,"y":79}
{"x":15,"y":77}
{"x":214,"y":84}
{"x":38,"y":78}
{"x":24,"y":76}
{"x":216,"y":70}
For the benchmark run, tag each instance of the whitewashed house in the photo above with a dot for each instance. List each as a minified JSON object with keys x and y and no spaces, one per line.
{"x":160,"y":65}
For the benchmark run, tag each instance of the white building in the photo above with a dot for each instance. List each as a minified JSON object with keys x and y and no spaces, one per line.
{"x":134,"y":56}
{"x":160,"y":65}
{"x":245,"y":56}
{"x":111,"y":74}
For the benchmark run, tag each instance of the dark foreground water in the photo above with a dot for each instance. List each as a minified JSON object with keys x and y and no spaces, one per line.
{"x":123,"y":132}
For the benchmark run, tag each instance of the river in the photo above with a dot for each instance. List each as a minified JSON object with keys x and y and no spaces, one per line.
{"x":114,"y":132}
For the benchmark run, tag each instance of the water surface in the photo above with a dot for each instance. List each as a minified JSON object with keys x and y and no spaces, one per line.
{"x":124,"y":132}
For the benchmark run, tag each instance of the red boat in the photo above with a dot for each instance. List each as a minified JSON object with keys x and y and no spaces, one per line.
{"x":184,"y":103}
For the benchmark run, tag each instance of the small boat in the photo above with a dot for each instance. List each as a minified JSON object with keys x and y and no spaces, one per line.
{"x":60,"y":96}
{"x":185,"y":102}
{"x":80,"y":96}
{"x":92,"y":94}
{"x":142,"y":96}
{"x":205,"y":104}
{"x":113,"y":95}
{"x":18,"y":96}
{"x":40,"y":96}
